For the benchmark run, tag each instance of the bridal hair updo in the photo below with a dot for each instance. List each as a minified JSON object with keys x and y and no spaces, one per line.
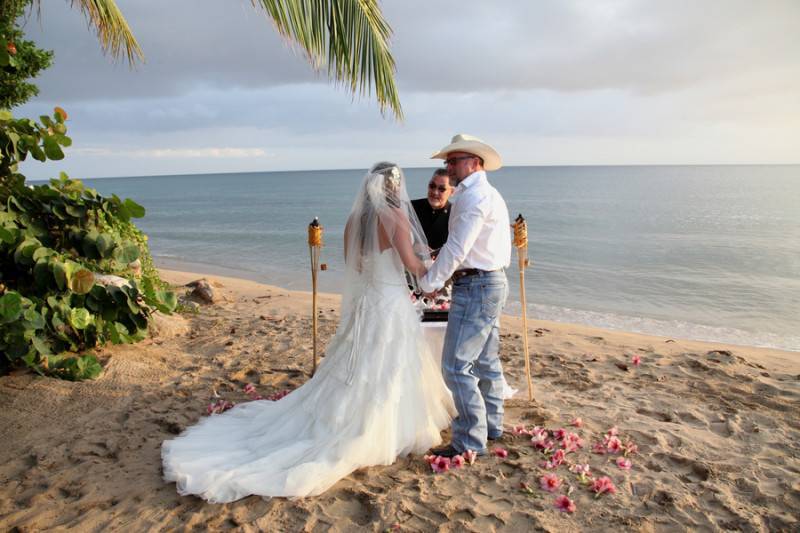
{"x":391,"y":180}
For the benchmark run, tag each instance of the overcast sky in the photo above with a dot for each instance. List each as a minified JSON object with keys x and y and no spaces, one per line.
{"x":546,"y":82}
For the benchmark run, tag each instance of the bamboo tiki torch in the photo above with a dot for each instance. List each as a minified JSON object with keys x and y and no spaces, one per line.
{"x":314,"y":247}
{"x":521,"y":243}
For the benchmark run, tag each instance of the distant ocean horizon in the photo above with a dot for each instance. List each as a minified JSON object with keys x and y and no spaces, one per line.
{"x":705,"y":252}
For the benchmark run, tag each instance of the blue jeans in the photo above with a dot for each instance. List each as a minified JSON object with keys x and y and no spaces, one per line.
{"x":470,"y":363}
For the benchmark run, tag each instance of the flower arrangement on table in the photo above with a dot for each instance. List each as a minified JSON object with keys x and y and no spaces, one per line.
{"x":434,"y":309}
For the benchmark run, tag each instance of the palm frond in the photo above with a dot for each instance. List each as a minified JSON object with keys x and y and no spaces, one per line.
{"x":112,"y":29}
{"x":349,"y":36}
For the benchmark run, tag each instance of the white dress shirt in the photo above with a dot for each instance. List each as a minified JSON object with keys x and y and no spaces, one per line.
{"x":479,"y":232}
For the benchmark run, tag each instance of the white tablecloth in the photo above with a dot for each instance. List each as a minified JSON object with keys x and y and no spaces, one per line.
{"x":433,"y":332}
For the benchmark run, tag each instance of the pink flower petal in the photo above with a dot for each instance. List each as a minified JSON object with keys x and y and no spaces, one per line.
{"x":577,"y":422}
{"x":623,"y":463}
{"x":500,"y":452}
{"x":549,"y":482}
{"x":519,"y":429}
{"x":441,"y":464}
{"x":457,"y":462}
{"x":613,"y":445}
{"x":564,"y":504}
{"x":603,"y":485}
{"x":636,"y":360}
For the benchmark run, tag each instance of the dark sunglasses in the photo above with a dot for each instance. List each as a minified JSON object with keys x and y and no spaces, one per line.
{"x":454,"y":160}
{"x":433,"y":187}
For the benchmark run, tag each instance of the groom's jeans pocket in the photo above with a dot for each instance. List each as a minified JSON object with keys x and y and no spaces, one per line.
{"x":493,"y":297}
{"x":481,"y":294}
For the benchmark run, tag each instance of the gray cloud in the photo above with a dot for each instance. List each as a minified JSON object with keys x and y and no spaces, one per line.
{"x":439,"y":46}
{"x":549,"y":82}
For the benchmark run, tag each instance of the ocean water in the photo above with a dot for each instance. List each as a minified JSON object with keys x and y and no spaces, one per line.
{"x":699,"y":252}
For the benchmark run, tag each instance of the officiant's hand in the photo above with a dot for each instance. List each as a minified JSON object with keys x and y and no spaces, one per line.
{"x":431,"y":295}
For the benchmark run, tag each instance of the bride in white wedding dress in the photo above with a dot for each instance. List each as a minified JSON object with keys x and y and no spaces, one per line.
{"x":377,"y":395}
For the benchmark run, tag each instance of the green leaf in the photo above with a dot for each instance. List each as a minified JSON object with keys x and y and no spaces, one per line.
{"x":79,"y":318}
{"x":8,"y":235}
{"x":135,"y":210}
{"x":76,"y":211}
{"x":166,"y":301}
{"x":126,"y":253}
{"x":10,"y":306}
{"x":36,"y":152}
{"x":60,"y":275}
{"x":52,"y":149}
{"x":42,"y":253}
{"x":41,"y":345}
{"x":33,"y":319}
{"x":25,"y":250}
{"x":42,"y":274}
{"x":105,"y":245}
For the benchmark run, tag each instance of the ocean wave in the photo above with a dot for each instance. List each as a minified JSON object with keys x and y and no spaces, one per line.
{"x":662,"y":328}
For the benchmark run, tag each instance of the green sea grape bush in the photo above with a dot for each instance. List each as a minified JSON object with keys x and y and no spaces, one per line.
{"x":58,"y":243}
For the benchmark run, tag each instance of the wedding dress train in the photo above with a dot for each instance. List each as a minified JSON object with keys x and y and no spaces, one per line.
{"x":378,"y":394}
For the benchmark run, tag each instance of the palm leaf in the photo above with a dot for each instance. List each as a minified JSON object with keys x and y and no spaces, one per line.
{"x":349,"y":36}
{"x":112,"y":29}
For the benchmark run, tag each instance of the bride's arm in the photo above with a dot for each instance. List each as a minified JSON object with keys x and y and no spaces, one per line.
{"x":346,"y":237}
{"x":401,"y":241}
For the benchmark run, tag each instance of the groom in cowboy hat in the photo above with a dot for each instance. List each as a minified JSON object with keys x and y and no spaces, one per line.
{"x":477,"y":251}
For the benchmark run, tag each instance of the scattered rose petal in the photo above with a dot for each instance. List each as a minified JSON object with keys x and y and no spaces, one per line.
{"x":599,"y":448}
{"x":539,"y":441}
{"x":219,"y":406}
{"x":555,"y":461}
{"x":457,"y":462}
{"x":636,"y":360}
{"x":623,"y":463}
{"x":550,"y":482}
{"x":603,"y":485}
{"x":577,"y":422}
{"x":559,"y":433}
{"x":564,"y":504}
{"x":613,"y":445}
{"x":613,"y":431}
{"x":440,"y":464}
{"x":519,"y":429}
{"x":278,"y":395}
{"x":429,"y":458}
{"x":470,"y":456}
{"x":500,"y":452}
{"x":572,"y":442}
{"x":580,"y":469}
{"x":630,"y":448}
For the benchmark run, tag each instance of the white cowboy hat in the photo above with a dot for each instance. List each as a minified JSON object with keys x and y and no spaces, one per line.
{"x":472,"y":145}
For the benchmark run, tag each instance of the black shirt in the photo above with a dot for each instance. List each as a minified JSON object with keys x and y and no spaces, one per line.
{"x":434,"y":222}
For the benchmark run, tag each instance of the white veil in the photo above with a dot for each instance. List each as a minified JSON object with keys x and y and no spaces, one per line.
{"x":383,"y":236}
{"x":382,"y":218}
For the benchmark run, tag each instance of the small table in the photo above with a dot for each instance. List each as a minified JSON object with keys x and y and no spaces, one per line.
{"x":433,"y":333}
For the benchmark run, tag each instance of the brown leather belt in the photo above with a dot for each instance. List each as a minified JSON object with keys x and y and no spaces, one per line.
{"x":463,"y":273}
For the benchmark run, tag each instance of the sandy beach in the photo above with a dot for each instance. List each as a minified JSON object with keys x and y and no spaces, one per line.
{"x":716,"y":427}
